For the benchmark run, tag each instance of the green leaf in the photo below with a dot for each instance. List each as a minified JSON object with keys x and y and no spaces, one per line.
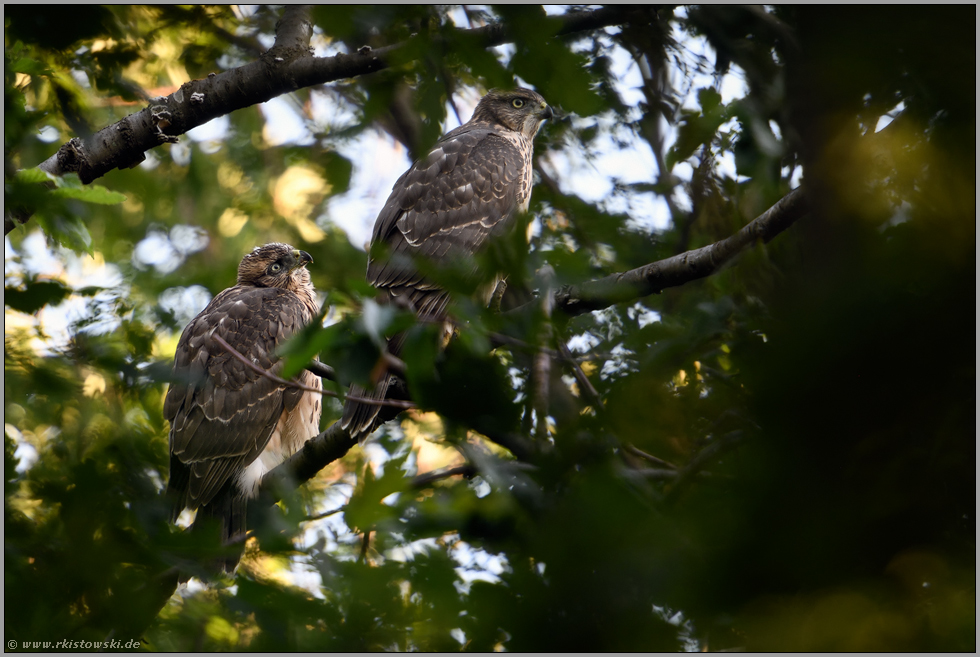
{"x":30,"y":67}
{"x":562,"y":76}
{"x":472,"y":389}
{"x":709,"y":99}
{"x":33,"y":175}
{"x":68,"y":231}
{"x":351,"y":346}
{"x":92,"y":194}
{"x":376,"y":319}
{"x":70,"y":186}
{"x":35,"y":296}
{"x":698,"y":128}
{"x":338,"y":169}
{"x":365,"y":509}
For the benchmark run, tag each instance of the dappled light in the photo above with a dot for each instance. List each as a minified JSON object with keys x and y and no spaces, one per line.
{"x":715,"y":390}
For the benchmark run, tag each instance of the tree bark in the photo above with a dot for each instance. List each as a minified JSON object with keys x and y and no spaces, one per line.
{"x":682,"y":268}
{"x":287,"y":66}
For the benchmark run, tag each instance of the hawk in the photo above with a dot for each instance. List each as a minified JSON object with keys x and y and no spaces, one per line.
{"x":229,"y":425}
{"x":469,"y":188}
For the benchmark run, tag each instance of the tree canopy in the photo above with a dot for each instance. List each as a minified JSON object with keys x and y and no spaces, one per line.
{"x":728,"y":400}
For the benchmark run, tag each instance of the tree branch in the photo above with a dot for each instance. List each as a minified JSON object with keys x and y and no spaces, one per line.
{"x":295,"y":29}
{"x":287,"y":66}
{"x":636,"y":451}
{"x":334,"y":443}
{"x":426,"y":479}
{"x":701,"y":459}
{"x":316,"y":454}
{"x":541,"y":361}
{"x":322,"y":370}
{"x":680,"y":269}
{"x":123,"y":144}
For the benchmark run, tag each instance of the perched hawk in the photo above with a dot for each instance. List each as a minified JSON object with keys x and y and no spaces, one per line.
{"x":470,"y":187}
{"x":229,"y":425}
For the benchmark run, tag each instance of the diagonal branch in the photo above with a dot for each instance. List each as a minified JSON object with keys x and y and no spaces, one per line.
{"x":287,"y":66}
{"x":334,"y":443}
{"x":317,"y":453}
{"x":680,"y":269}
{"x":426,"y":479}
{"x":701,"y":459}
{"x":322,"y":370}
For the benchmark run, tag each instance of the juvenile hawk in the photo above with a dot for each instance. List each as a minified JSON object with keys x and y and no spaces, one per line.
{"x":470,"y":187}
{"x":229,"y":425}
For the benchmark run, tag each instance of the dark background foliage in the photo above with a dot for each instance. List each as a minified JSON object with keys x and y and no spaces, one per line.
{"x":783,"y":459}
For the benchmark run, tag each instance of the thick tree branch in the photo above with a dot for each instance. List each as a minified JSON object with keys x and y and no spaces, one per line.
{"x":294,"y":30}
{"x":287,"y":66}
{"x":123,"y":144}
{"x":302,"y":466}
{"x":680,"y":269}
{"x":333,"y":444}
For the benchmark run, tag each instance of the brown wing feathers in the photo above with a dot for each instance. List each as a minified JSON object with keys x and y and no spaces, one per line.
{"x":444,"y":208}
{"x":229,"y":413}
{"x":439,"y":211}
{"x":223,"y":414}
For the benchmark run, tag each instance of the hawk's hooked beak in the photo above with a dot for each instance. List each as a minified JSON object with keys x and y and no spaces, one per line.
{"x":303,"y":258}
{"x":545,"y":112}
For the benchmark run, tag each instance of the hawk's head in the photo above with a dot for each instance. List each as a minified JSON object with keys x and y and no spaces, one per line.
{"x":275,"y":265}
{"x":520,"y":110}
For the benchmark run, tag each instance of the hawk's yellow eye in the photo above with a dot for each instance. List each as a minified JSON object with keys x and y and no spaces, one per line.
{"x":274,"y":269}
{"x":518,"y":103}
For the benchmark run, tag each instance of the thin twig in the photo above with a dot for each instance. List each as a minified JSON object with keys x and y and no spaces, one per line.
{"x":666,"y":474}
{"x":425,"y":479}
{"x":636,"y":451}
{"x":584,"y":385}
{"x":322,"y":370}
{"x":692,"y":469}
{"x":500,"y":339}
{"x":295,"y":384}
{"x":267,"y":374}
{"x":654,"y":473}
{"x":561,"y":354}
{"x":365,"y":542}
{"x":541,"y":364}
{"x":325,"y":514}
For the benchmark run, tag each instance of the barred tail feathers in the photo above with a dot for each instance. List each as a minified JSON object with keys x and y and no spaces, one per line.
{"x":360,"y":419}
{"x":228,"y":508}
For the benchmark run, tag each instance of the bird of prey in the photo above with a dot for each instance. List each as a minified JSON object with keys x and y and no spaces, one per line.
{"x":229,"y":425}
{"x":469,"y":188}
